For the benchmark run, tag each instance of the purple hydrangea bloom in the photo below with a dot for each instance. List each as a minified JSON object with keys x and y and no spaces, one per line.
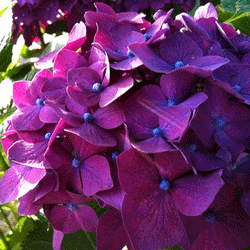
{"x":156,"y":191}
{"x":176,"y":51}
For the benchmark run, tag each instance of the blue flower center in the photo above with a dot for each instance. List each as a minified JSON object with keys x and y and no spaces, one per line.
{"x":171,"y":103}
{"x":179,"y":64}
{"x":193,"y":147}
{"x":47,"y":136}
{"x":130,"y":54}
{"x":97,"y":87}
{"x":237,"y":88}
{"x":220,"y":123}
{"x":39,"y":101}
{"x":114,"y":155}
{"x":210,"y":217}
{"x":232,"y":166}
{"x":23,"y":15}
{"x":48,"y":9}
{"x":165,"y":185}
{"x":87,"y":117}
{"x":157,"y":132}
{"x":75,"y":163}
{"x":71,"y":207}
{"x":147,"y":36}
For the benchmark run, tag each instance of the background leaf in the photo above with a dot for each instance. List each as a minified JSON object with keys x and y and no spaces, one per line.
{"x":6,"y":40}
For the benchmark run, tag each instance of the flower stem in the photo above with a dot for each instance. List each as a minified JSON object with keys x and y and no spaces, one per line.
{"x":40,"y":35}
{"x":6,"y":243}
{"x":6,"y":219}
{"x":90,"y":240}
{"x":3,"y":165}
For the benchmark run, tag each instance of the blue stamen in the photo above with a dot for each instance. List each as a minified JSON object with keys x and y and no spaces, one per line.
{"x":75,"y":163}
{"x":171,"y":103}
{"x":157,"y":132}
{"x":193,"y":147}
{"x":23,"y":15}
{"x":210,"y":217}
{"x":237,"y":88}
{"x":71,"y":207}
{"x":47,"y":136}
{"x":97,"y":87}
{"x":179,"y":64}
{"x":48,"y":9}
{"x":220,"y":123}
{"x":130,"y":54}
{"x":147,"y":36}
{"x":164,"y":185}
{"x":114,"y":155}
{"x":87,"y":117}
{"x":39,"y":101}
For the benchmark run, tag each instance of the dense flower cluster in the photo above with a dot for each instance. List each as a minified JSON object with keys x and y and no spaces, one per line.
{"x":30,"y":15}
{"x":150,"y":120}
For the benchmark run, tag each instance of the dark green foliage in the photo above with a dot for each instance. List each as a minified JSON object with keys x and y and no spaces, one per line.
{"x":57,"y":27}
{"x":6,"y":40}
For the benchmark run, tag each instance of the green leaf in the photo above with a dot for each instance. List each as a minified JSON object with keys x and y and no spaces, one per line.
{"x":197,"y":5}
{"x":236,"y":6}
{"x":18,"y":72}
{"x":173,"y":248}
{"x":79,"y":240}
{"x":25,"y":225}
{"x":57,"y":27}
{"x":6,"y":40}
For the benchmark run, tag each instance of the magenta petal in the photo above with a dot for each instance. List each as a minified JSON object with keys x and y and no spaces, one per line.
{"x":55,"y":89}
{"x":66,"y":221}
{"x":186,"y":47}
{"x":28,"y":154}
{"x":104,"y":8}
{"x":66,"y":60}
{"x":57,"y":239}
{"x":94,"y":135}
{"x":109,"y":117}
{"x":17,"y":181}
{"x":21,"y":94}
{"x":193,"y":194}
{"x":245,"y":201}
{"x":95,"y":173}
{"x":194,"y":101}
{"x":233,"y":146}
{"x":150,"y":58}
{"x":39,"y":79}
{"x":77,"y":37}
{"x":171,"y":165}
{"x":111,"y":233}
{"x":155,"y":144}
{"x":206,"y":11}
{"x":85,"y":78}
{"x":111,"y":93}
{"x":46,"y":61}
{"x":85,"y":98}
{"x":209,"y":62}
{"x":137,"y":174}
{"x":27,"y":118}
{"x":48,"y":115}
{"x":152,"y":222}
{"x":26,"y":206}
{"x":127,"y":64}
{"x":69,"y":117}
{"x":178,"y":84}
{"x":173,"y":120}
